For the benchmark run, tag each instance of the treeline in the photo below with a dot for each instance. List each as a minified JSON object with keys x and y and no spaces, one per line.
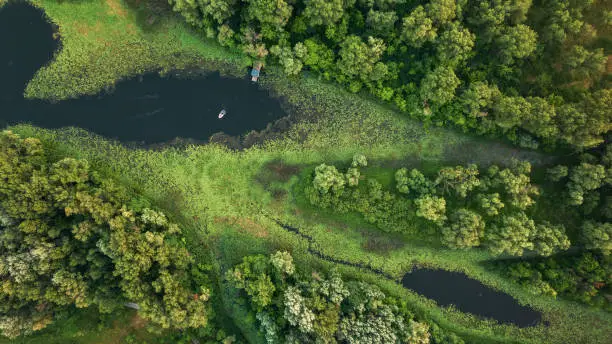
{"x":293,"y":306}
{"x":534,"y":71}
{"x":69,"y":237}
{"x":471,"y":208}
{"x":584,"y":277}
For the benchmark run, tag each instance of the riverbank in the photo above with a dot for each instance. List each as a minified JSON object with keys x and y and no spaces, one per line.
{"x":103,"y":42}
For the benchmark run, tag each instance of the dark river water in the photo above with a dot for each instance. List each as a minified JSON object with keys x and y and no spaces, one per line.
{"x":469,"y":295}
{"x":148,"y":109}
{"x":152,"y":109}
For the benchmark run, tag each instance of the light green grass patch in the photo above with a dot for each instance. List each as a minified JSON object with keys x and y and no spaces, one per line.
{"x":103,"y":41}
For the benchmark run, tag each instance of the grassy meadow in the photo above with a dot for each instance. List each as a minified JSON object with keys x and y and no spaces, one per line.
{"x":226,"y":200}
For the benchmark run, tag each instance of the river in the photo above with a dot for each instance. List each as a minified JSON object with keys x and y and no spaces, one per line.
{"x":147,"y":109}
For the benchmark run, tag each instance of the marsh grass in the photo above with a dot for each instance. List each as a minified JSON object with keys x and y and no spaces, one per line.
{"x":103,"y":41}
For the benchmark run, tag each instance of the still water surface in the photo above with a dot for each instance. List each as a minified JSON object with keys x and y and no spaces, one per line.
{"x":148,"y":109}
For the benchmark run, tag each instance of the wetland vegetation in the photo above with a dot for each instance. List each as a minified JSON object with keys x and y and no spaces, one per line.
{"x":424,"y":145}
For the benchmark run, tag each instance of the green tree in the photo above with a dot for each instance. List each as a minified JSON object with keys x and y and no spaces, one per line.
{"x":432,"y":208}
{"x":455,"y":45}
{"x":359,"y":61}
{"x":413,"y":183}
{"x":584,"y":178}
{"x":556,"y":173}
{"x":441,"y":11}
{"x":459,"y":178}
{"x":318,"y":56}
{"x":68,"y":240}
{"x":511,"y":111}
{"x":597,"y":236}
{"x":382,"y":23}
{"x":272,"y":15}
{"x":439,"y":86}
{"x":491,"y":204}
{"x":550,"y":238}
{"x":328,"y":178}
{"x":465,"y":230}
{"x":516,"y":43}
{"x":479,"y":98}
{"x":324,"y":12}
{"x":417,"y":28}
{"x":512,"y":235}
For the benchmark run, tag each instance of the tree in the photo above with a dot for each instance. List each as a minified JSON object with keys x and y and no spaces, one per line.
{"x":460,"y":179}
{"x":517,"y":42}
{"x":511,"y":235}
{"x":413,"y":183}
{"x":478,"y":98}
{"x":441,"y":11}
{"x":515,"y":183}
{"x":597,"y":236}
{"x":291,"y":60}
{"x":417,"y":28}
{"x":323,"y":12}
{"x":328,"y":178}
{"x":557,"y":173}
{"x":511,"y":111}
{"x":491,"y":204}
{"x":439,"y":86}
{"x":219,"y":10}
{"x":432,"y":208}
{"x":584,"y":178}
{"x":359,"y":60}
{"x":455,"y":45}
{"x":272,"y":15}
{"x":67,"y":239}
{"x":540,"y":120}
{"x":581,"y":63}
{"x":382,"y":23}
{"x":318,"y":56}
{"x":550,"y":238}
{"x":465,"y":230}
{"x":359,"y":160}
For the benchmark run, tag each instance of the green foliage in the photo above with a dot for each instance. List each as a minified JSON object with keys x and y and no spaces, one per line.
{"x":431,"y":208}
{"x":439,"y":86}
{"x":465,"y":230}
{"x":414,"y":183}
{"x":68,"y":240}
{"x":323,"y":308}
{"x":598,"y":236}
{"x":327,"y":178}
{"x":584,"y":178}
{"x":581,"y":278}
{"x":512,"y":235}
{"x":557,"y":173}
{"x":459,"y":179}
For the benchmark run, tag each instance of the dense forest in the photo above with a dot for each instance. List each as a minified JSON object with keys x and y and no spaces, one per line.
{"x":533,"y":71}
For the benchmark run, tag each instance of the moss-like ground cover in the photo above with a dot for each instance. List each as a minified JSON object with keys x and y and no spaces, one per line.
{"x":226,"y":200}
{"x":104,"y":41}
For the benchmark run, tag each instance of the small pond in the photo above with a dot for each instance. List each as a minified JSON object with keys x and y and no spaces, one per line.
{"x":147,"y":109}
{"x":470,"y":296}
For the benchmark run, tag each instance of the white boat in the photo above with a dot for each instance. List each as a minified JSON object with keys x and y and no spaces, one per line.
{"x":222,"y":113}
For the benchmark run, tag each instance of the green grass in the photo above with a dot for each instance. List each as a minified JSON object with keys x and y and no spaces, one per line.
{"x":104,"y":41}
